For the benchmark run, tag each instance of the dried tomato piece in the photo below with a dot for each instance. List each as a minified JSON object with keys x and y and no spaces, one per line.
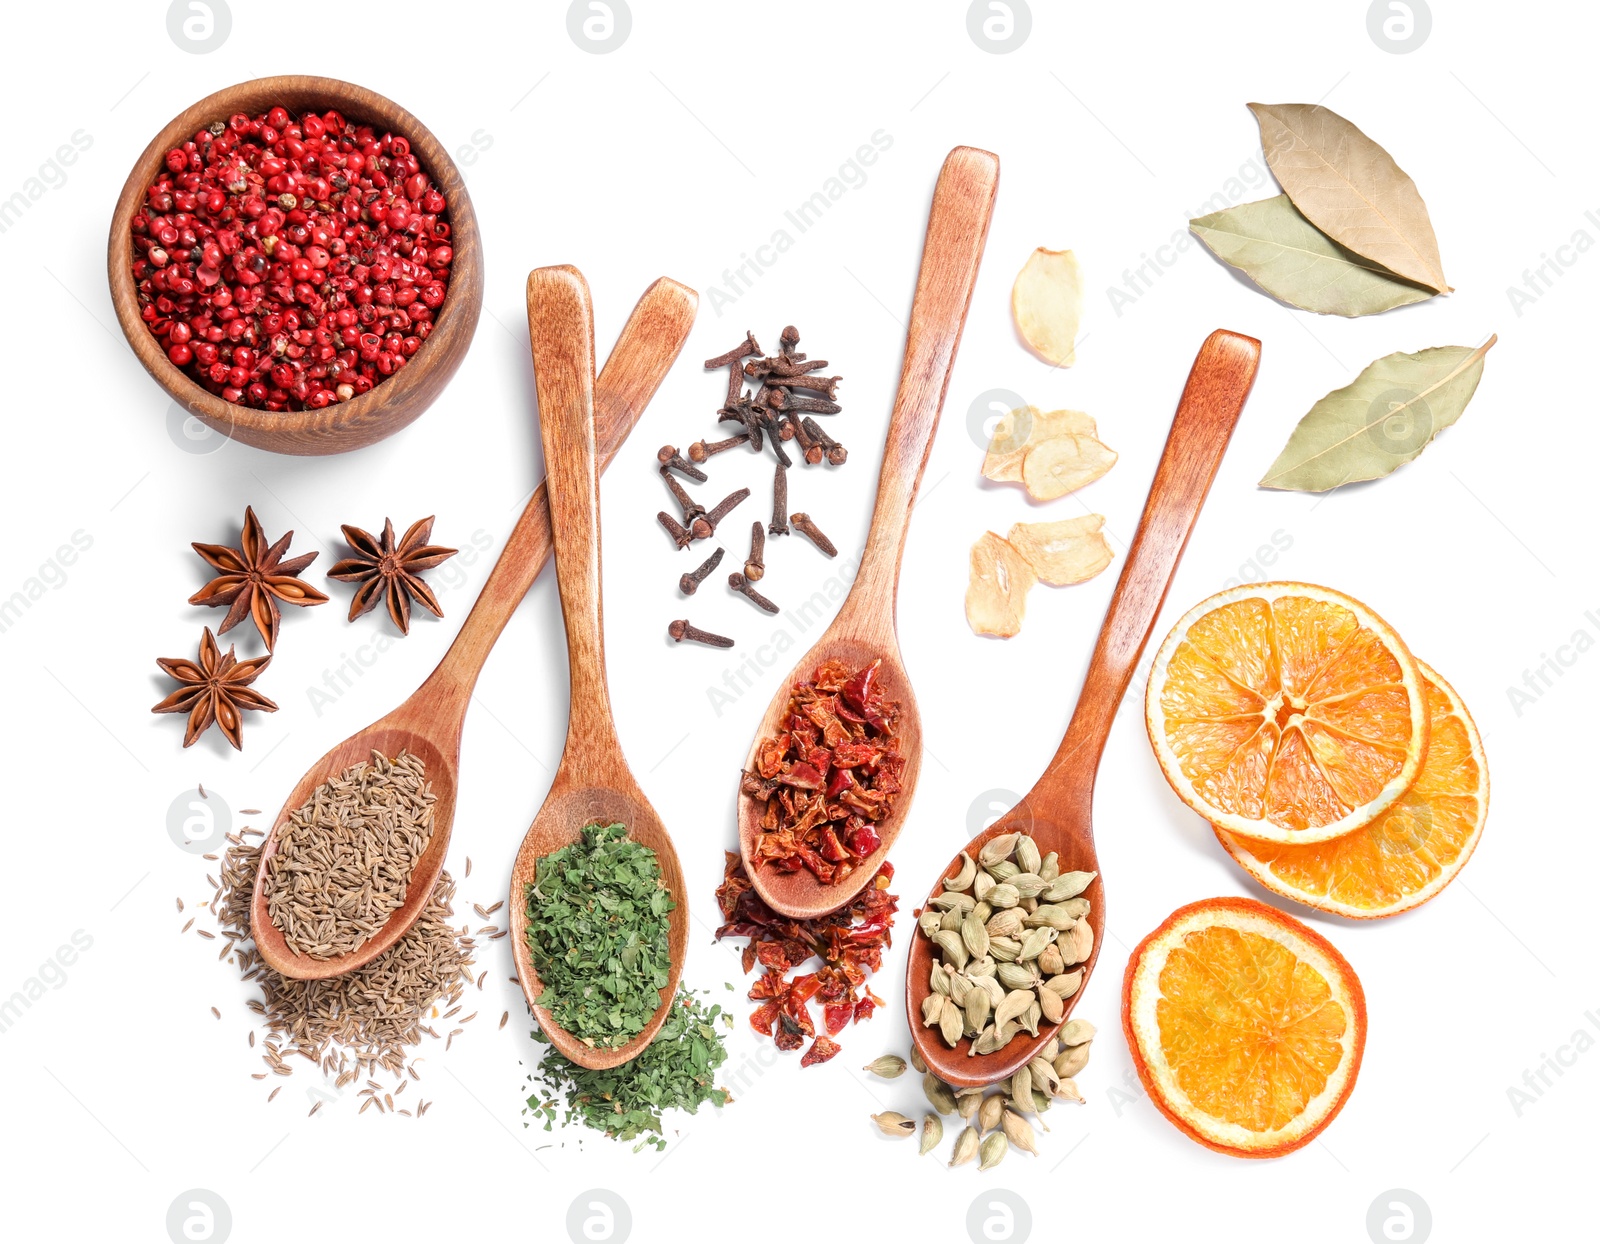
{"x":836,"y":1015}
{"x":761,"y":1019}
{"x":822,"y":1049}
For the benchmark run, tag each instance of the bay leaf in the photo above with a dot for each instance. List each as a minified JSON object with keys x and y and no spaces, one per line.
{"x":1351,"y":189}
{"x":1382,"y":419}
{"x":1289,"y":257}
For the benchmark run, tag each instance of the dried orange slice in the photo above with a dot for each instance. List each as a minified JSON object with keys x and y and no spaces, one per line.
{"x":1245,"y":1027}
{"x":1409,"y":853}
{"x":1286,"y":712}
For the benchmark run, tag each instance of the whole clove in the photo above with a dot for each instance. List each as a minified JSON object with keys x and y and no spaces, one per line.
{"x":810,"y":448}
{"x":806,"y":527}
{"x":692,"y":509}
{"x":683,"y":629}
{"x":701,"y":450}
{"x":754,"y":566}
{"x":780,"y":502}
{"x":675,"y":529}
{"x":671,"y":460}
{"x":836,"y":452}
{"x":781,"y":399}
{"x":744,"y":587}
{"x":690,"y":581}
{"x":769,"y":422}
{"x":702,"y":527}
{"x":825,"y":385}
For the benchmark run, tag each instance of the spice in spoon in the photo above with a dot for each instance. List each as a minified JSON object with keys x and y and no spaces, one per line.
{"x":597,"y":933}
{"x":829,"y":776}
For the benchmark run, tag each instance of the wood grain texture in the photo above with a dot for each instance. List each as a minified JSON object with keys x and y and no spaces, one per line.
{"x":400,"y":398}
{"x":864,"y":629}
{"x":593,"y":782}
{"x":429,"y":724}
{"x":1058,"y":811}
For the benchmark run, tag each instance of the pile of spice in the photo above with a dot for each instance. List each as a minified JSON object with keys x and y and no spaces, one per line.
{"x":365,"y":1022}
{"x":598,"y":935}
{"x":290,"y":262}
{"x":1008,"y":930}
{"x":996,"y":1121}
{"x":850,"y":943}
{"x":344,"y":858}
{"x":676,"y":1071}
{"x":830,"y":775}
{"x":789,"y":392}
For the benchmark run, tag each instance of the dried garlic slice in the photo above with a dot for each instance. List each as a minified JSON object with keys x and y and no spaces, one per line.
{"x":1015,"y":433}
{"x":1046,"y":302}
{"x":1063,"y":553}
{"x":997,"y":590}
{"x":1064,"y":464}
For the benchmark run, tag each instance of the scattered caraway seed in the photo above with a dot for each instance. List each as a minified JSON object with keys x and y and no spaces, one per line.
{"x":216,"y":1012}
{"x":504,"y":1018}
{"x":675,"y":1071}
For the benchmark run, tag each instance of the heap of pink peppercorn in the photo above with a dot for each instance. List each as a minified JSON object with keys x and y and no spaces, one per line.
{"x":286,"y":263}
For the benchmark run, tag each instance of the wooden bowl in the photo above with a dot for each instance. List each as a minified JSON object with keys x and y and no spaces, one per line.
{"x":389,"y":405}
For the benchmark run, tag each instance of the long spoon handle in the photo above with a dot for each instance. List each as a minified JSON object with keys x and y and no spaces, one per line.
{"x":646,"y":350}
{"x":1219,"y":382}
{"x":561,"y":331}
{"x":958,"y":224}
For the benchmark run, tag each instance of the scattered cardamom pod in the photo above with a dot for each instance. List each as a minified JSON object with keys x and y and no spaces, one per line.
{"x":939,"y":1094}
{"x":932,"y":1134}
{"x":1044,"y":1075}
{"x":1072,"y":1061}
{"x":991,"y":1150}
{"x":1076,"y":1032}
{"x":964,"y":875}
{"x":916,"y":1061}
{"x":1069,"y":1090}
{"x":892,"y":1124}
{"x":965,"y":1148}
{"x":1022,"y":1089}
{"x":1018,"y":1131}
{"x":989,"y":1112}
{"x":1041,"y":1103}
{"x":887,"y":1067}
{"x":968,"y":1101}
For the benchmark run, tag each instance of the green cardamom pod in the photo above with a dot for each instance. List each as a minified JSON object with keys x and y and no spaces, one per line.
{"x":939,"y":980}
{"x":975,"y":936}
{"x":939,"y":1094}
{"x":1003,"y":870}
{"x":1080,"y":943}
{"x":1013,"y":1005}
{"x":932,"y":1009}
{"x":1031,"y":1017}
{"x":1050,"y":867}
{"x":1004,"y":949}
{"x":991,"y":1150}
{"x":1044,"y":1075}
{"x":979,"y":968}
{"x":1005,"y":923}
{"x":1068,"y":885}
{"x":1071,"y":1061}
{"x":963,"y":875}
{"x":968,"y":1101}
{"x":952,"y":1024}
{"x":917,"y":1064}
{"x":1027,"y":853}
{"x":887,"y":1067}
{"x":892,"y":1124}
{"x":989,"y":1113}
{"x":1050,"y":961}
{"x":1029,"y":885}
{"x":981,"y":885}
{"x":1077,"y":1032}
{"x":997,"y":848}
{"x":1003,"y":895}
{"x":1016,"y":976}
{"x":951,"y":900}
{"x":952,"y":948}
{"x":966,"y":1147}
{"x":932,"y":1134}
{"x":960,"y":987}
{"x":978,"y":1008}
{"x":1033,"y":943}
{"x":1018,"y":1131}
{"x":928,"y":921}
{"x":1051,"y":1006}
{"x":1069,"y":1089}
{"x":1022,"y":1089}
{"x":1066,"y":984}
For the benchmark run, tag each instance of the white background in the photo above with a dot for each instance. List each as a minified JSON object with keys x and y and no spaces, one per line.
{"x":678,"y":154}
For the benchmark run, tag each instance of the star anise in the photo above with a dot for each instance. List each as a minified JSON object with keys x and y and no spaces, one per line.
{"x":216,"y":688}
{"x":254,"y":579}
{"x":391,"y":570}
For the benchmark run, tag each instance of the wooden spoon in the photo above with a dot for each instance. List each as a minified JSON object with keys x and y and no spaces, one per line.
{"x":1058,"y":811}
{"x":429,"y":724}
{"x":592,"y":784}
{"x":864,"y":630}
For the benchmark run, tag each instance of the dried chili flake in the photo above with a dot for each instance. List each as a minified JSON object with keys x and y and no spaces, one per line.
{"x":849,"y":942}
{"x":830,"y":775}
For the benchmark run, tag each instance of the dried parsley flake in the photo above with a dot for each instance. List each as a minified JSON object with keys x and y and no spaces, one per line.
{"x":597,"y":932}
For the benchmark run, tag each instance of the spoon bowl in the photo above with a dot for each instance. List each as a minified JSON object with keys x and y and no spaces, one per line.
{"x":429,"y":724}
{"x":1058,"y":813}
{"x":864,"y":630}
{"x":592,"y":783}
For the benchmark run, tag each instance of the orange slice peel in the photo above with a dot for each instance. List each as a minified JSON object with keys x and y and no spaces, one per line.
{"x":1246,"y":1027}
{"x":1286,"y":712}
